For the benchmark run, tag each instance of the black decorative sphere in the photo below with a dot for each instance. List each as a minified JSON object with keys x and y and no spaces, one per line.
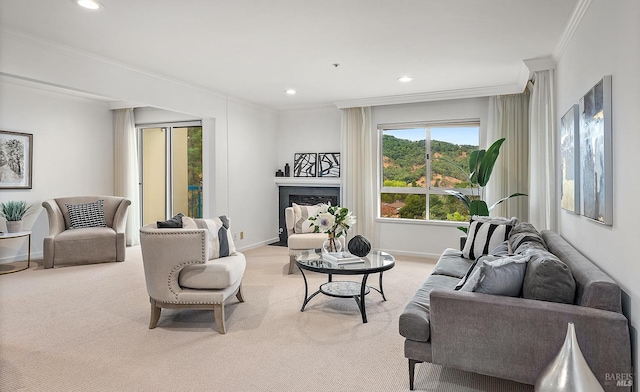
{"x":359,"y":246}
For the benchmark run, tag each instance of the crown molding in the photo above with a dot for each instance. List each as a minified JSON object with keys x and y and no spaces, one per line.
{"x":515,"y":88}
{"x":53,"y":89}
{"x":570,"y":29}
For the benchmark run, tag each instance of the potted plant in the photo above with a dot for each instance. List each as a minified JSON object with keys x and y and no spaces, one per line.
{"x":481,"y":165}
{"x":13,"y":212}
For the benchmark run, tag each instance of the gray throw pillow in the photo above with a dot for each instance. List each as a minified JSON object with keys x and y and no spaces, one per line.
{"x":498,"y":275}
{"x":548,"y":279}
{"x":524,"y":234}
{"x":501,"y":250}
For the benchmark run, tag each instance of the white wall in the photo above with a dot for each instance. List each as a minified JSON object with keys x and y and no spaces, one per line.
{"x":423,"y":238}
{"x":72,"y":153}
{"x":314,"y":130}
{"x":607,"y":42}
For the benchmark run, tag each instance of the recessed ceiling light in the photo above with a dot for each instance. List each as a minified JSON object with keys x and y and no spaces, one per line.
{"x":89,"y":4}
{"x":405,"y":79}
{"x":290,"y":91}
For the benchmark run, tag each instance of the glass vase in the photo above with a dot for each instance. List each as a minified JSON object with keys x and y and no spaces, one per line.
{"x":331,"y":244}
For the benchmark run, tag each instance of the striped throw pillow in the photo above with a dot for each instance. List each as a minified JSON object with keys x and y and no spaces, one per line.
{"x":483,"y":237}
{"x":301,"y":217}
{"x":220,"y":236}
{"x":86,"y":215}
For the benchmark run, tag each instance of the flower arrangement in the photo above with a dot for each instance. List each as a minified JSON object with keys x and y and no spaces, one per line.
{"x":335,"y":221}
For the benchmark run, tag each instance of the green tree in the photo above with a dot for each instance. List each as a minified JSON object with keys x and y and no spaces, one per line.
{"x":415,"y":207}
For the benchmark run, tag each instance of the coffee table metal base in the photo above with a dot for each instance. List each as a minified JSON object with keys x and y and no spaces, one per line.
{"x":343,"y":289}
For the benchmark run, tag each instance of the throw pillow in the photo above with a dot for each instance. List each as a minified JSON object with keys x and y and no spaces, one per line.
{"x":220,"y":237}
{"x":86,"y":215}
{"x":495,"y":220}
{"x":301,"y":217}
{"x":498,"y":275}
{"x":173,"y":223}
{"x":502,"y":250}
{"x":548,"y":279}
{"x":524,"y":236}
{"x":466,"y":276}
{"x":482,"y":237}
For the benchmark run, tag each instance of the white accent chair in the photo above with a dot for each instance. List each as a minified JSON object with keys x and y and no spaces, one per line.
{"x":180,"y":275}
{"x":299,"y":242}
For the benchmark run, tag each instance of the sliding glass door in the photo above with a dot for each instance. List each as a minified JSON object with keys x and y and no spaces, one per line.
{"x":171,"y":171}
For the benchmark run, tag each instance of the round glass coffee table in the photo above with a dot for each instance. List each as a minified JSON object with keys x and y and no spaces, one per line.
{"x":374,"y":262}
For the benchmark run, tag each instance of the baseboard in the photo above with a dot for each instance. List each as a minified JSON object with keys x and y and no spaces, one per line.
{"x":21,"y":257}
{"x":257,"y":245}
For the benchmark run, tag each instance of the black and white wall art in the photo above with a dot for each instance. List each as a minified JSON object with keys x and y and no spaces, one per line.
{"x":596,"y":153}
{"x":569,"y":154}
{"x":16,"y":159}
{"x":329,"y":164}
{"x":304,"y":164}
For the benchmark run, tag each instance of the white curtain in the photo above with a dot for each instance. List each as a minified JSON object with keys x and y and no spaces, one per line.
{"x":358,"y":170}
{"x":126,"y":170}
{"x":542,"y":190}
{"x":509,"y":119}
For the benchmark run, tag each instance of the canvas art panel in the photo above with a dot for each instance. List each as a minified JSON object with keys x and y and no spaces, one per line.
{"x":304,"y":164}
{"x":16,"y":159}
{"x":595,"y":153}
{"x":329,"y":164}
{"x":570,"y":164}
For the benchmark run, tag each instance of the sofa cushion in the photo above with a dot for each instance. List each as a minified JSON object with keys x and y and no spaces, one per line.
{"x":548,"y":279}
{"x":524,"y":237}
{"x":301,"y":214}
{"x":451,"y":263}
{"x":86,"y":215}
{"x":498,"y":275}
{"x":483,"y":237}
{"x":220,"y":237}
{"x":414,"y":320}
{"x":213,"y":274}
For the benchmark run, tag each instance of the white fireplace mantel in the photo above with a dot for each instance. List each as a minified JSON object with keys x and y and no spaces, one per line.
{"x":308,"y":181}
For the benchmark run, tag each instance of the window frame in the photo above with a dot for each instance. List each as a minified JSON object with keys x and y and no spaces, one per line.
{"x":428,"y":189}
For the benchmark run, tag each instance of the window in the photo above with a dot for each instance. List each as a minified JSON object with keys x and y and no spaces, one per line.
{"x":419,"y":163}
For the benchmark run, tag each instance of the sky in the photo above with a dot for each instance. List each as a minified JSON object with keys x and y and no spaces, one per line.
{"x":455,"y":135}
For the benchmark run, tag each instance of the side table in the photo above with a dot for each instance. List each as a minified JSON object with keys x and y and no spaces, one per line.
{"x":6,"y":236}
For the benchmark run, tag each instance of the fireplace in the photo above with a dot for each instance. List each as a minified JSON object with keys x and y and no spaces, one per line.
{"x":304,"y":195}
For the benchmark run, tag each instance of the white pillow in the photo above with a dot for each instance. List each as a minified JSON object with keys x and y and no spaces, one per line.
{"x":220,"y":236}
{"x":301,"y":215}
{"x":498,"y":275}
{"x":483,"y":237}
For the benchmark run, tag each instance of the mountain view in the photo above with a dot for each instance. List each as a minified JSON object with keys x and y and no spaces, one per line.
{"x":404,"y":163}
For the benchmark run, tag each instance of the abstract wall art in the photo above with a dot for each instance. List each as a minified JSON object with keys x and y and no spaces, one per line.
{"x":329,"y":164}
{"x":596,"y":153}
{"x":304,"y":164}
{"x":569,"y":159}
{"x":16,"y":159}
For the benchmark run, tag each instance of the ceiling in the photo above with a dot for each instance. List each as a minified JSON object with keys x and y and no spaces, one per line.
{"x":256,"y":49}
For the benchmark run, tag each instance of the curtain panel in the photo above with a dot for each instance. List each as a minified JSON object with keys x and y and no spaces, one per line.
{"x":126,"y":170}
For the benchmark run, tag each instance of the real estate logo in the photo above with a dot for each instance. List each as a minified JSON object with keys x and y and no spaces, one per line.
{"x":619,"y":379}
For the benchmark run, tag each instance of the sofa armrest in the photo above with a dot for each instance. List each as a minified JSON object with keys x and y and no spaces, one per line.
{"x":517,"y":338}
{"x":120,"y":217}
{"x":289,"y":217}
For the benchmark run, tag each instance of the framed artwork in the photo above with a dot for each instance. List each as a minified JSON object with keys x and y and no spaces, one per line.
{"x":596,"y":153}
{"x":329,"y":164}
{"x":16,"y":160}
{"x":304,"y":164}
{"x":570,"y":164}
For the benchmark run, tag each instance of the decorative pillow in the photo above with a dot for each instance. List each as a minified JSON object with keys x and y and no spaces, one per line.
{"x":548,"y":279}
{"x":466,"y":276}
{"x":498,"y":275}
{"x":482,"y":237}
{"x":86,"y":215}
{"x":502,"y":250}
{"x":524,"y":236}
{"x":495,"y":220}
{"x":301,"y":218}
{"x":220,"y":237}
{"x":188,"y":223}
{"x":173,"y":223}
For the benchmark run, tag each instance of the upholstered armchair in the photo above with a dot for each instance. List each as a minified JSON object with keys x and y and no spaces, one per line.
{"x":179,"y":273}
{"x":298,"y":238}
{"x":96,"y":234}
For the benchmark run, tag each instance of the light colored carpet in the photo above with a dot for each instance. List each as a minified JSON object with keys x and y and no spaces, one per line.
{"x":85,"y":328}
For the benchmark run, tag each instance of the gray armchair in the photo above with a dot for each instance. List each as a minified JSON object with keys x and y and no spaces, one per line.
{"x":179,"y":274}
{"x":87,"y":245}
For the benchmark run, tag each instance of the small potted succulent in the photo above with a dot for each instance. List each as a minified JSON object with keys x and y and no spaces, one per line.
{"x":13,"y":212}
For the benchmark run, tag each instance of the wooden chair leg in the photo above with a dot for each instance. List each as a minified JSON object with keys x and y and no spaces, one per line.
{"x":218,"y":316}
{"x":239,"y":293}
{"x":412,"y":368}
{"x":292,"y":264}
{"x":155,"y":314}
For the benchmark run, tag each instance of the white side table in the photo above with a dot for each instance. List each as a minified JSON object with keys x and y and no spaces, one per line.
{"x":6,"y":236}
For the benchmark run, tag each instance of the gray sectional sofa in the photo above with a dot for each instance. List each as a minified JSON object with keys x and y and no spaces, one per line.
{"x":515,"y":338}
